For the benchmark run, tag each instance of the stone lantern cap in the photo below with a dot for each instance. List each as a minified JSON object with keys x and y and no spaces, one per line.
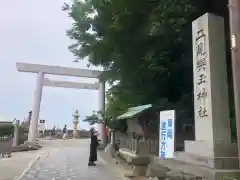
{"x":76,"y":114}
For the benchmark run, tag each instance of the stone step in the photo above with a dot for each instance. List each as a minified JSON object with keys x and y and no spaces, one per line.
{"x":192,"y":159}
{"x":196,"y":170}
{"x":217,"y":162}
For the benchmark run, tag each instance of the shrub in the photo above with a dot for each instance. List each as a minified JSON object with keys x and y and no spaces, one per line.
{"x":23,"y":133}
{"x":23,"y":129}
{"x":6,"y":129}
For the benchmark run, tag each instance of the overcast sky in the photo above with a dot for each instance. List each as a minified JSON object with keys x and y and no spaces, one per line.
{"x":33,"y":31}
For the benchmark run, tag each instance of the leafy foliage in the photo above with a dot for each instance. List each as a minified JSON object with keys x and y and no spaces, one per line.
{"x":144,"y":47}
{"x":6,"y":129}
{"x":104,"y":118}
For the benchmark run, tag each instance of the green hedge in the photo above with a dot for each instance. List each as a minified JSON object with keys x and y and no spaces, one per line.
{"x":23,"y":133}
{"x":6,"y":129}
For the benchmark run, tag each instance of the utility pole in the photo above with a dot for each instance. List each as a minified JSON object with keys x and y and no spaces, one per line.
{"x":234,"y":15}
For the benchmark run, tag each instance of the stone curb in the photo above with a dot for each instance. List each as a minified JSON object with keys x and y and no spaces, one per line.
{"x":116,"y":169}
{"x":30,"y":165}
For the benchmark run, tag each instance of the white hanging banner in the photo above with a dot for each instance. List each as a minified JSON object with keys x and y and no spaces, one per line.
{"x":41,"y":126}
{"x":167,"y":134}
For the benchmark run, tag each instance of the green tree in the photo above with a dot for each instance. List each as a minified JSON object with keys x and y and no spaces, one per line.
{"x":144,"y":46}
{"x":104,"y":118}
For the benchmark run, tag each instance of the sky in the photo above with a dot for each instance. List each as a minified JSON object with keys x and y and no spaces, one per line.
{"x":33,"y":31}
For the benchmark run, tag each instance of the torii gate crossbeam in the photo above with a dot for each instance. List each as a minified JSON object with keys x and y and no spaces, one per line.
{"x":41,"y":70}
{"x":72,"y":85}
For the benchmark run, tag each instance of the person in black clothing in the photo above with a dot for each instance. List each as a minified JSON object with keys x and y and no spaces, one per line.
{"x":93,"y":148}
{"x":65,"y":132}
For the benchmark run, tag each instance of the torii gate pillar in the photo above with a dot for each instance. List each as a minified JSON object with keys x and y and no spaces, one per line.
{"x":65,"y":71}
{"x":36,"y":108}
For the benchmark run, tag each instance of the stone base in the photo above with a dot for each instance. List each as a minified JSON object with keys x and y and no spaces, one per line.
{"x":110,"y":150}
{"x":101,"y":146}
{"x":136,"y":172}
{"x":75,"y":135}
{"x":139,"y":163}
{"x":189,"y":170}
{"x":210,"y":149}
{"x":31,"y":142}
{"x":25,"y":147}
{"x":133,"y":158}
{"x":156,"y":170}
{"x":208,"y":162}
{"x":212,"y":155}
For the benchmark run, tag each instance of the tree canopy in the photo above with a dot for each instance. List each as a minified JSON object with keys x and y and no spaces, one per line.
{"x":145,"y":48}
{"x":106,"y":119}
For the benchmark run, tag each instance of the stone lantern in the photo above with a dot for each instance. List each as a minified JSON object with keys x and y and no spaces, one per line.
{"x":75,"y":124}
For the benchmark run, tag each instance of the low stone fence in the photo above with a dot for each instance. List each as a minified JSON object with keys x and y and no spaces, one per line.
{"x":139,"y":145}
{"x":59,"y":134}
{"x":136,"y":151}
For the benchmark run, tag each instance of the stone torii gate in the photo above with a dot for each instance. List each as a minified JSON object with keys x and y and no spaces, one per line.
{"x":41,"y":70}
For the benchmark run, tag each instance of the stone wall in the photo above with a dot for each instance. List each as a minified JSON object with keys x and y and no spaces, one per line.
{"x":82,"y":133}
{"x":182,"y":136}
{"x":151,"y":144}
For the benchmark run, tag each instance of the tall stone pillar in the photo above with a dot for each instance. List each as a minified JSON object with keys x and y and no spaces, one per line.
{"x":36,"y":108}
{"x":101,"y":127}
{"x":16,"y":133}
{"x":75,"y":124}
{"x":211,"y":105}
{"x":113,"y":137}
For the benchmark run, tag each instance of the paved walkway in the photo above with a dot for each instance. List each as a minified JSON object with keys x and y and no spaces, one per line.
{"x":14,"y":166}
{"x":67,"y":160}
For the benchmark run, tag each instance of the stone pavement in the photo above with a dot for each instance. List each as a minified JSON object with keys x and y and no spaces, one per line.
{"x":67,"y":160}
{"x":14,"y":166}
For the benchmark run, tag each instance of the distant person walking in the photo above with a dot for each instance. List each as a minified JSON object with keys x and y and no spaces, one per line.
{"x":65,"y":132}
{"x":93,"y":147}
{"x":54,"y":131}
{"x":45,"y":134}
